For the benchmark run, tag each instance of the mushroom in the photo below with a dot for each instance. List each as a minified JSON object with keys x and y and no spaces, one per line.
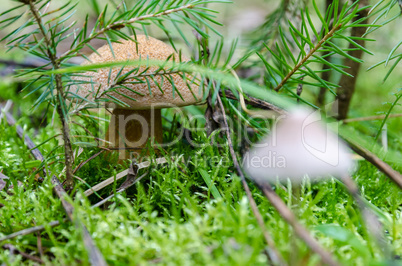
{"x":301,"y":145}
{"x":139,"y":120}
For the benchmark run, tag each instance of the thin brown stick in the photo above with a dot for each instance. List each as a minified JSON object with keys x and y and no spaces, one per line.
{"x":374,"y":226}
{"x":14,"y":250}
{"x":370,"y":118}
{"x":95,"y":256}
{"x":120,"y":175}
{"x":276,"y":201}
{"x":128,"y":183}
{"x":29,"y":231}
{"x":86,"y":161}
{"x":60,"y":98}
{"x":290,"y":218}
{"x":312,"y":51}
{"x":39,"y":244}
{"x":274,"y":254}
{"x":253,"y":102}
{"x":395,"y":176}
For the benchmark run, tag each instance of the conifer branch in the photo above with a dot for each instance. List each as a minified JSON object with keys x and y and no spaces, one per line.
{"x":60,"y":99}
{"x":305,"y":58}
{"x":123,"y":23}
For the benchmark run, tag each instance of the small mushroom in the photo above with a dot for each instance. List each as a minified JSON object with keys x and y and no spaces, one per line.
{"x":139,"y":120}
{"x":300,"y":145}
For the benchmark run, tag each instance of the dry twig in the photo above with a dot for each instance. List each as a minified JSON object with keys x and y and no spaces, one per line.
{"x":95,"y":256}
{"x":274,"y":253}
{"x":276,"y":201}
{"x":131,"y":180}
{"x":290,"y":218}
{"x":29,"y":231}
{"x":14,"y":250}
{"x":395,"y":176}
{"x":253,"y":102}
{"x":120,"y":175}
{"x":86,"y":161}
{"x":374,"y":226}
{"x":61,"y":97}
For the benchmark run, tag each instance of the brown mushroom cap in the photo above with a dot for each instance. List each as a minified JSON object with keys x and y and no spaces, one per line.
{"x":146,"y":48}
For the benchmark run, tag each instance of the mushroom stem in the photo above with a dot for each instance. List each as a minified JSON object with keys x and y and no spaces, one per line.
{"x":130,"y":130}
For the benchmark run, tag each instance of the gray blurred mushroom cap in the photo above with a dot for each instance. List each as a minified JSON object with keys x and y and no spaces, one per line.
{"x":300,"y":145}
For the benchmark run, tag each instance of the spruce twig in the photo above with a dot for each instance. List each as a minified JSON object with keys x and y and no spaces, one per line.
{"x":305,"y":58}
{"x":124,"y":23}
{"x":60,"y":98}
